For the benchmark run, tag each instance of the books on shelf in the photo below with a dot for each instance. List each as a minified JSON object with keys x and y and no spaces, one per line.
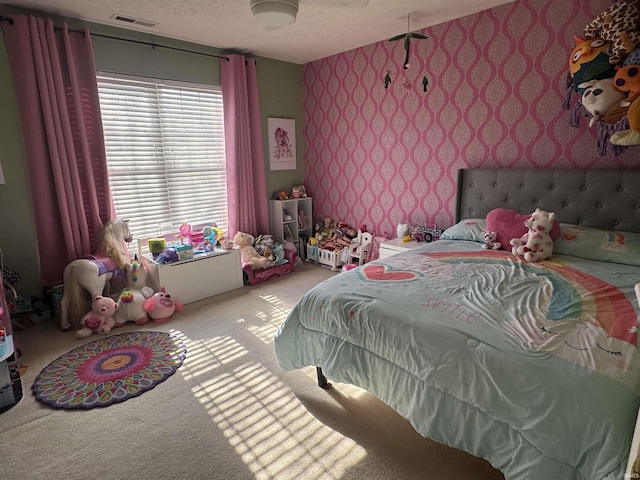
{"x":287,"y":232}
{"x":302,"y":219}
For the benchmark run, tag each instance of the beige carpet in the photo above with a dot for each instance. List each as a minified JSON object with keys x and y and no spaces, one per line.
{"x":228,"y":413}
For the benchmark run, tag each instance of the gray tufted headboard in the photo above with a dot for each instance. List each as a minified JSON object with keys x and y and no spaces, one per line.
{"x":599,"y":198}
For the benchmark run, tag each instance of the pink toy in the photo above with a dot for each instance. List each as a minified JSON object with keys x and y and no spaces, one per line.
{"x":490,"y":240}
{"x":160,"y":306}
{"x":536,"y":244}
{"x":100,"y":318}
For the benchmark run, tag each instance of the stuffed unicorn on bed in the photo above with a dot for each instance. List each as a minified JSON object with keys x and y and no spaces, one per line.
{"x":536,"y":244}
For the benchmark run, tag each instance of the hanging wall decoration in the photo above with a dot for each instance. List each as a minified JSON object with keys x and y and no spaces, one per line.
{"x":604,"y":69}
{"x":282,"y":143}
{"x":407,"y":84}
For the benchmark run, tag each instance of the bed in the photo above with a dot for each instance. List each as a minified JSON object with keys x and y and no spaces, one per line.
{"x":532,"y":366}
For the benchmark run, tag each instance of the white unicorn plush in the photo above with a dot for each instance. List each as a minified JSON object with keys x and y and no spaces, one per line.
{"x":131,"y":299}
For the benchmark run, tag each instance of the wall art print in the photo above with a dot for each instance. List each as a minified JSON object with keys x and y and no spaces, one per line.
{"x":282,"y":143}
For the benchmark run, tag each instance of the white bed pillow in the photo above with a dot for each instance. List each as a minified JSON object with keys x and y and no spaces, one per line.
{"x":597,"y":244}
{"x":468,"y":229}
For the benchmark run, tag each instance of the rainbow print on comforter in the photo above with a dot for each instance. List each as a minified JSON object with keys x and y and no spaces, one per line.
{"x":532,"y":366}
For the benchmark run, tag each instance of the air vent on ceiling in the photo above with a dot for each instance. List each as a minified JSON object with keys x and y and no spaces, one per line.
{"x":133,"y":21}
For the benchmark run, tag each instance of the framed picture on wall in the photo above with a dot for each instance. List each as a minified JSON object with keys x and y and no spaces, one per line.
{"x":282,"y":143}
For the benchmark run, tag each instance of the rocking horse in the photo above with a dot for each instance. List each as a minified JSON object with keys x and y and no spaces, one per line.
{"x":94,"y":272}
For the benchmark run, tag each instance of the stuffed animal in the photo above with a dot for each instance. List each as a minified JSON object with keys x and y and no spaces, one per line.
{"x":632,"y":136}
{"x":627,"y":80}
{"x":280,"y":195}
{"x":247,"y":251}
{"x":100,"y":318}
{"x":316,"y":239}
{"x":298,"y":191}
{"x":617,"y":24}
{"x":589,"y":61}
{"x":264,"y":242}
{"x":599,"y":96}
{"x":131,"y":299}
{"x":537,"y":243}
{"x":161,"y":306}
{"x":269,"y":255}
{"x":490,"y":240}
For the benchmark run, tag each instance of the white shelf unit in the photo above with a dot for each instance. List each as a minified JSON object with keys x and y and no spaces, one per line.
{"x":301,"y":223}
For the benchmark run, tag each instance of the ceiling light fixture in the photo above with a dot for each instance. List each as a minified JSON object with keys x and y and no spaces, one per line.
{"x":275,"y":13}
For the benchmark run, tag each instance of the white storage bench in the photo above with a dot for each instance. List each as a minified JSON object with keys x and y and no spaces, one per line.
{"x":203,"y":276}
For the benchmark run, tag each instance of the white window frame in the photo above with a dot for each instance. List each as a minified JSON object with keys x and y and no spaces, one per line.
{"x":165,"y":154}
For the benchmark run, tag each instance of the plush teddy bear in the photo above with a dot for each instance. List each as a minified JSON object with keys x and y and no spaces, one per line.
{"x":160,"y":306}
{"x":249,"y":254}
{"x":100,"y":318}
{"x":537,"y":243}
{"x":490,"y":240}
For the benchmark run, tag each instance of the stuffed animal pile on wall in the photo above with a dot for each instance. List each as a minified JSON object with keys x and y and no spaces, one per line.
{"x":604,"y":67}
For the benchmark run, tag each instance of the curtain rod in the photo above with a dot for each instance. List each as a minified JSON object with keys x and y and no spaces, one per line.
{"x":139,"y":42}
{"x":154,"y":45}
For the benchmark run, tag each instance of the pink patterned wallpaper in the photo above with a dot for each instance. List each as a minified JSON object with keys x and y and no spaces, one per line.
{"x":379,"y":157}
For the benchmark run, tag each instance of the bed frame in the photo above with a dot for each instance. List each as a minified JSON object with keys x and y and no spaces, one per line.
{"x":600,"y":198}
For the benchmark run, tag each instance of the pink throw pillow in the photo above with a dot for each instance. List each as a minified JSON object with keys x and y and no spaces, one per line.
{"x":509,"y":224}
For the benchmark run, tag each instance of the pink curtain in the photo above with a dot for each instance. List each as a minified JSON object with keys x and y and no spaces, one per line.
{"x":246,"y":179}
{"x":53,"y":72}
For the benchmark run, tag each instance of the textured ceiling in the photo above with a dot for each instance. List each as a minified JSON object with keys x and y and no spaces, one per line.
{"x":323,"y":27}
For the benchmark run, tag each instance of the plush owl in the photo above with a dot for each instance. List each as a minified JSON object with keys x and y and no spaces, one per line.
{"x":589,"y":61}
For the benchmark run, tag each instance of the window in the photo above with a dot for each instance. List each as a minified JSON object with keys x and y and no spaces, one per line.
{"x":165,"y":153}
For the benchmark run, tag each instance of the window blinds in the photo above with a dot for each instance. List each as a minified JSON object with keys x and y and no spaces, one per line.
{"x":165,"y":153}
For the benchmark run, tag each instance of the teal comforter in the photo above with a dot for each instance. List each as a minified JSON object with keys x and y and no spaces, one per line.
{"x":532,"y":366}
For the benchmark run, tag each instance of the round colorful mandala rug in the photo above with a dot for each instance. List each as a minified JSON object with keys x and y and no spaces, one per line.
{"x":109,"y":370}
